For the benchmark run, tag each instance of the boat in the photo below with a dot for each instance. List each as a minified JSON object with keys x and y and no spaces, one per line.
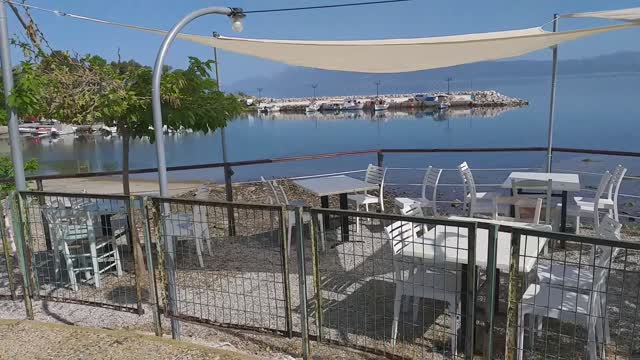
{"x":108,"y":130}
{"x":312,"y":107}
{"x":381,"y":105}
{"x":268,"y":108}
{"x":330,"y":107}
{"x":438,"y":101}
{"x":352,"y":104}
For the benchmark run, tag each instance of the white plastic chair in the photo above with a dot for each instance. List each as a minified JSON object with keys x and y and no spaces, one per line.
{"x":427,"y":200}
{"x":279,"y":197}
{"x":524,"y":201}
{"x":475,"y":202}
{"x":589,"y":209}
{"x":192,"y":225}
{"x":417,"y":280}
{"x":573,"y":294}
{"x":375,"y":175}
{"x":610,"y":202}
{"x":75,"y":230}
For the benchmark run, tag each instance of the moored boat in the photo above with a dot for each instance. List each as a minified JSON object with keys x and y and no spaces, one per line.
{"x":381,"y":105}
{"x":352,"y":104}
{"x":312,"y":107}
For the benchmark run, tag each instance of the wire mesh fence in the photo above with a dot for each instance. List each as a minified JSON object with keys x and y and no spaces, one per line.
{"x":578,"y":302}
{"x":403,"y":286}
{"x":229,"y":263}
{"x":80,"y":248}
{"x":381,"y":284}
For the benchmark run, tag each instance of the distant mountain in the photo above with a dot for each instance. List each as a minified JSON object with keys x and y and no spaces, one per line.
{"x":296,"y":81}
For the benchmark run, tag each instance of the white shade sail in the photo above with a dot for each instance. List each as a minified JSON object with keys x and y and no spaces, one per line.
{"x":632,"y":14}
{"x":403,"y":55}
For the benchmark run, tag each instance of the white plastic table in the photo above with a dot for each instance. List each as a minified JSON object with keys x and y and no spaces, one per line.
{"x":335,"y":185}
{"x":450,"y":244}
{"x":560,"y":182}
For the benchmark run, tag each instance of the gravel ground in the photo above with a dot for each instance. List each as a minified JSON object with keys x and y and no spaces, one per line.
{"x":39,"y":340}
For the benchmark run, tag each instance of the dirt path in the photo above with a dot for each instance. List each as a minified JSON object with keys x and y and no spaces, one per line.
{"x":22,"y":339}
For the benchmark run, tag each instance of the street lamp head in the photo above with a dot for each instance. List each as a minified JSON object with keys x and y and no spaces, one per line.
{"x":236,"y":17}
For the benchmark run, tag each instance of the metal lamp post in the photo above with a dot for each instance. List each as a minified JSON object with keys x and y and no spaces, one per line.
{"x":552,"y":101}
{"x":12,"y":117}
{"x":236,"y":16}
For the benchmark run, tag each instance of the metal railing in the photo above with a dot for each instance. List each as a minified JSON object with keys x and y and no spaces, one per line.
{"x":379,"y":286}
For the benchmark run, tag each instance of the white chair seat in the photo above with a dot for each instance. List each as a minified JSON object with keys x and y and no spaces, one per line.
{"x":587,"y":201}
{"x":431,"y":284}
{"x":484,"y":195}
{"x":363,"y":199}
{"x":555,"y":302}
{"x":566,"y":276}
{"x":578,"y":209}
{"x":406,"y":203}
{"x":179,"y":225}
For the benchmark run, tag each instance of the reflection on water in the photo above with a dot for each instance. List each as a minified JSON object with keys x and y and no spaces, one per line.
{"x":435,"y":114}
{"x":581,"y":121}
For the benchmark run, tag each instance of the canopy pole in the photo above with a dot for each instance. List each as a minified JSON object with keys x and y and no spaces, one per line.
{"x":156,"y":102}
{"x":552,"y":102}
{"x":12,"y":117}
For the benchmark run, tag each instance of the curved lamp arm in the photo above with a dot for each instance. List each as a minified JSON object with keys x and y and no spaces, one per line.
{"x":155,"y":85}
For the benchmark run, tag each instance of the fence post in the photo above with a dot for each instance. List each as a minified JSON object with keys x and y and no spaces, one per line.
{"x":153,"y":288}
{"x":8,"y":258}
{"x":302,"y":284}
{"x":511,"y":351}
{"x":471,"y":292}
{"x":284,"y":248}
{"x":170,"y":264}
{"x":380,"y":159}
{"x":316,"y":274}
{"x":28,"y":246}
{"x":493,"y":294}
{"x":19,"y":240}
{"x":153,"y":211}
{"x":137,"y":252}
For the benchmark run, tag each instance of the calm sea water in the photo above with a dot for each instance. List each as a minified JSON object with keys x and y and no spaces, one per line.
{"x":598,"y":112}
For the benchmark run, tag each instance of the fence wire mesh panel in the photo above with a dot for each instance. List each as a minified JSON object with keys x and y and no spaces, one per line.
{"x":395,"y":285}
{"x":580,"y":301}
{"x":79,"y":249}
{"x":229,"y":262}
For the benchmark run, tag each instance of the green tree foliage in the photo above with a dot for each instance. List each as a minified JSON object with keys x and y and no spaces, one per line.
{"x":88,"y":89}
{"x":6,"y":172}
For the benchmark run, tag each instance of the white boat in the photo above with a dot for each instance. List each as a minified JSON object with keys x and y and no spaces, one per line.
{"x":268,"y":108}
{"x":312,"y":107}
{"x":108,"y":130}
{"x":381,"y":105}
{"x":438,"y":101}
{"x":352,"y":104}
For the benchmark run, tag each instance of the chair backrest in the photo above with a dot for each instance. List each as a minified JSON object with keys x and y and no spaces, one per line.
{"x":402,"y":234}
{"x":375,"y":175}
{"x":431,"y":179}
{"x":469,"y":186}
{"x":609,"y":228}
{"x":278,"y":197}
{"x":614,"y":184}
{"x":604,"y":182}
{"x":202,"y":193}
{"x":535,"y":185}
{"x":69,"y":225}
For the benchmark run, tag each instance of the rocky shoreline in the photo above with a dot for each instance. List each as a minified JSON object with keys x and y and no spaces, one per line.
{"x":481,"y":99}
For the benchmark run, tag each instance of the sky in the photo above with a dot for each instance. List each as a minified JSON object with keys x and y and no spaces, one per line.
{"x":418,"y":18}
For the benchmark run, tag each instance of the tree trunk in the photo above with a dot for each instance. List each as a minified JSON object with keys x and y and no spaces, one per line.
{"x":124,"y":132}
{"x":134,"y":239}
